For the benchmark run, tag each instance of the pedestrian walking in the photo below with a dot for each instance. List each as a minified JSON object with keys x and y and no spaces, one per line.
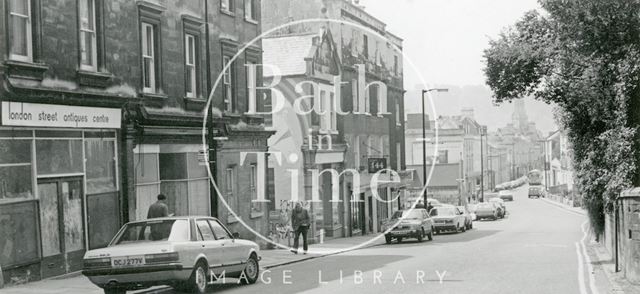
{"x":300,"y":223}
{"x":158,"y":209}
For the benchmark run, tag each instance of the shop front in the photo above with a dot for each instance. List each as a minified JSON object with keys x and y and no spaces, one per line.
{"x":58,"y":186}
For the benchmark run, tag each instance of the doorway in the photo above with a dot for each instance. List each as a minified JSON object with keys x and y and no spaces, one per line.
{"x":61,"y":225}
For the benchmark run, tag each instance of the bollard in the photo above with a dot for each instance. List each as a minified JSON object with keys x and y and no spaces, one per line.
{"x":321,"y":236}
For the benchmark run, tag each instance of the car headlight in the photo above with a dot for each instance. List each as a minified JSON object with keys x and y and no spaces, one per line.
{"x":97,"y":262}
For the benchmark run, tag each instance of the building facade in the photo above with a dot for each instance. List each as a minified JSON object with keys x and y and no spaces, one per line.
{"x":373,"y":129}
{"x":102,"y":109}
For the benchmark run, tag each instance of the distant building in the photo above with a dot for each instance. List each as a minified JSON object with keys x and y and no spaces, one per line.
{"x":559,"y":158}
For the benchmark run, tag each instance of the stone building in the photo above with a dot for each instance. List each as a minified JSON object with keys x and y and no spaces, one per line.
{"x":102,"y":109}
{"x":374,"y":131}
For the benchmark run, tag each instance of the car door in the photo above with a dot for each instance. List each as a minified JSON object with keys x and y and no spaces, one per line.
{"x":459,"y":217}
{"x":213,"y":248}
{"x":235,"y":252}
{"x":426,"y":221}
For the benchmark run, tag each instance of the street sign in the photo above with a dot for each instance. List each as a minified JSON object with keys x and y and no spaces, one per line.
{"x":376,"y":164}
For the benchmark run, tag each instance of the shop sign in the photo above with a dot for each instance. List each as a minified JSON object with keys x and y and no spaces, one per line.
{"x":59,"y":116}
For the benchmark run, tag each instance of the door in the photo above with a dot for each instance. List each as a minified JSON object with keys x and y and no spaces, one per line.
{"x":61,"y":225}
{"x":212,"y":248}
{"x":236,"y":253}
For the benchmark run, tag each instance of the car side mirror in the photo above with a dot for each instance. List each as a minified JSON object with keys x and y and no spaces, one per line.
{"x":236,"y":235}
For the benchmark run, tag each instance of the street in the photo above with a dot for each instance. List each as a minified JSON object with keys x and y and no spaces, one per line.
{"x":532,"y":250}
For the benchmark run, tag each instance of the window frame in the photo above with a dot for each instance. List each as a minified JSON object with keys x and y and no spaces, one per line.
{"x":229,"y":7}
{"x":253,"y":16}
{"x":152,"y":88}
{"x":191,"y":89}
{"x":28,"y":32}
{"x":365,"y":45}
{"x":85,"y":31}
{"x":228,"y":81}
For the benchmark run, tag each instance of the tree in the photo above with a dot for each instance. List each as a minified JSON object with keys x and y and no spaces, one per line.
{"x":584,"y":57}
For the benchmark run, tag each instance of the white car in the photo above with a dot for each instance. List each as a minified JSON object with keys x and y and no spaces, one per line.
{"x":186,"y":253}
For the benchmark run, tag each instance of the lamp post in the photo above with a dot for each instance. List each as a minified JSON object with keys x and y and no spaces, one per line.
{"x":483,"y":131}
{"x":424,"y":144}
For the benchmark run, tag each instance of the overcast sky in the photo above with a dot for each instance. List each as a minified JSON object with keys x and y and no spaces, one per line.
{"x":446,"y":39}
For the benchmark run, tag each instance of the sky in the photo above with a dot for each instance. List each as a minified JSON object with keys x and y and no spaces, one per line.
{"x":445,"y":39}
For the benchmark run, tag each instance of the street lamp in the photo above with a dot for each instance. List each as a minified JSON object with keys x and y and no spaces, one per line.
{"x":424,"y":138}
{"x":483,"y":132}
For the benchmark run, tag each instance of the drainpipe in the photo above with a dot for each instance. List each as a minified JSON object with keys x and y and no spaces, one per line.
{"x":617,"y":234}
{"x":210,"y":134}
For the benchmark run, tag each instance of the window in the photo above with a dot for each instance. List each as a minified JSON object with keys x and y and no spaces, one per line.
{"x":395,"y":65}
{"x":20,"y":37}
{"x":357,"y":152}
{"x":227,"y":5}
{"x":355,"y":96}
{"x":252,"y":84}
{"x":256,"y":207}
{"x":205,"y":231}
{"x":219,"y":230}
{"x":15,"y":170}
{"x":228,"y":85}
{"x":88,"y":38}
{"x":148,"y":58}
{"x":250,"y":10}
{"x":367,"y":101}
{"x":354,"y":43}
{"x":191,"y":64}
{"x":378,"y":54}
{"x":365,"y":41}
{"x":229,"y":180}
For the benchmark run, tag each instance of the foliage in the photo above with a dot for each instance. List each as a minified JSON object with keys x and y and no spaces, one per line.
{"x":584,"y":57}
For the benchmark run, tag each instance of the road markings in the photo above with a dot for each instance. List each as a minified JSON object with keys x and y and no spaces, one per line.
{"x":580,"y":271}
{"x":590,"y":273}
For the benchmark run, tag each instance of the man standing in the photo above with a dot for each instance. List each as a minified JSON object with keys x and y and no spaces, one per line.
{"x":300,"y":222}
{"x":158,"y":209}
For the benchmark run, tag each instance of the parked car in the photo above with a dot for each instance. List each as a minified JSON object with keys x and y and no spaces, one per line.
{"x":182,"y":252}
{"x":410,"y":223}
{"x":447,"y":218}
{"x":506,"y":195}
{"x":433,"y":202}
{"x":468,"y":220}
{"x":502,"y":211}
{"x":486,"y":210}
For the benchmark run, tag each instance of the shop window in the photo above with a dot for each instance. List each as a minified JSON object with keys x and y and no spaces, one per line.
{"x":59,"y":157}
{"x":100,"y":166}
{"x":15,"y":170}
{"x":19,"y":231}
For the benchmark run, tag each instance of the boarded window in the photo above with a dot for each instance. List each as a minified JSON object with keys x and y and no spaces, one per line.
{"x":100,"y":166}
{"x":18,"y":228}
{"x":59,"y":156}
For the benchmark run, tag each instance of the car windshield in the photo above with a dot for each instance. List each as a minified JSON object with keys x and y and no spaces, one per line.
{"x":443,"y":211}
{"x":153,"y":231}
{"x":408,"y":214}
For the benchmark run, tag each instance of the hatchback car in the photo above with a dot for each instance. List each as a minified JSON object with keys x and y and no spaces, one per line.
{"x":447,"y":218}
{"x":186,"y":253}
{"x":486,"y":210}
{"x":410,"y":223}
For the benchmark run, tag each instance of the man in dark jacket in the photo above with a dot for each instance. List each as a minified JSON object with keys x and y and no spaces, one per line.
{"x":300,"y":223}
{"x":158,"y":209}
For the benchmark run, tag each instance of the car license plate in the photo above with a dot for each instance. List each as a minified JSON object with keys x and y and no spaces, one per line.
{"x":399,"y":232}
{"x":127,"y":261}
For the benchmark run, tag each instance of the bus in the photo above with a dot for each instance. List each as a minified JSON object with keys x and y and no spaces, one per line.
{"x":536,"y":189}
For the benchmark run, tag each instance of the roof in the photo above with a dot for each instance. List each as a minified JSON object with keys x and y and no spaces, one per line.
{"x":287,"y":53}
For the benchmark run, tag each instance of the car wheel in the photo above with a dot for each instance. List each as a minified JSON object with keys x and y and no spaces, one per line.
{"x":470,"y":225}
{"x":197,"y":283}
{"x":387,"y":239}
{"x":399,"y":239}
{"x":114,"y":291}
{"x":464,"y":228}
{"x":421,"y":236}
{"x":251,"y":270}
